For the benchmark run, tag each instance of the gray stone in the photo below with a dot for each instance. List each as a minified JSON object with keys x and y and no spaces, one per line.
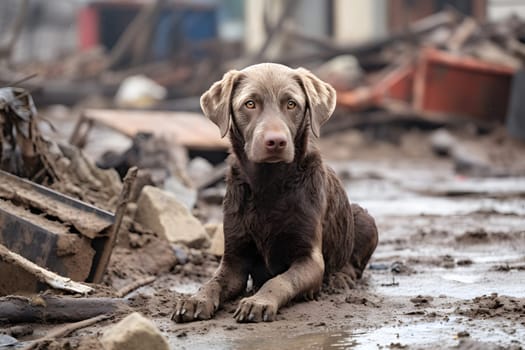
{"x":199,"y":169}
{"x":135,"y":332}
{"x":7,"y":340}
{"x":184,"y":194}
{"x":161,"y":212}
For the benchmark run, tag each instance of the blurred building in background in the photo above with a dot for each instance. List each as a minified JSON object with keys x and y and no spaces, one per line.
{"x":55,"y":27}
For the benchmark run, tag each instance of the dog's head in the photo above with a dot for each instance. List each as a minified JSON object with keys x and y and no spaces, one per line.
{"x":269,"y":104}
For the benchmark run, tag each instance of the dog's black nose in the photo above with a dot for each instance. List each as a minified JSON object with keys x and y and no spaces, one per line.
{"x":275,"y":141}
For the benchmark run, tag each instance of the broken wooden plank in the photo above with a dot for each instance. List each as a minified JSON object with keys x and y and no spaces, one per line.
{"x":191,"y":130}
{"x":43,"y":275}
{"x":462,"y":34}
{"x":130,"y":288}
{"x":109,"y":244}
{"x":394,"y":84}
{"x":46,"y":308}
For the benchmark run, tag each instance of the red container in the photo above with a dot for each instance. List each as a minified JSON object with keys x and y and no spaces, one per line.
{"x":448,"y":85}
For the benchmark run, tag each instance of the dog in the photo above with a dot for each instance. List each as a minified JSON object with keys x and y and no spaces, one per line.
{"x":287,"y":220}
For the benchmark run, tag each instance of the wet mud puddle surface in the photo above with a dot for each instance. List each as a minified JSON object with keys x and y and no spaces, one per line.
{"x":385,"y":337}
{"x":449,"y":272}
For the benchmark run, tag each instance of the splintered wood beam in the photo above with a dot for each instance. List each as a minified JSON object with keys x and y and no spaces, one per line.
{"x":124,"y":198}
{"x":46,"y":308}
{"x":45,"y":276}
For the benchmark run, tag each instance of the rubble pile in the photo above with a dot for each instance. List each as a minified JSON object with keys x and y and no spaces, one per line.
{"x":102,"y":229}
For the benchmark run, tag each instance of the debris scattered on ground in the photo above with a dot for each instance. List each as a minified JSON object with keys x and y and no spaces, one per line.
{"x":429,"y":157}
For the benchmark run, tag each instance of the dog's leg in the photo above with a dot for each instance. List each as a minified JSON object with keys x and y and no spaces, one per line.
{"x":304,"y":277}
{"x":365,"y":239}
{"x":227,"y":282}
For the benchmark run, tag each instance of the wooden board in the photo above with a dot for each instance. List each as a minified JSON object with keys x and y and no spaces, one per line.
{"x":191,"y":130}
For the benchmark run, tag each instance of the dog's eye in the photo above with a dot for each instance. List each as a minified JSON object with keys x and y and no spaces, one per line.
{"x":250,"y":104}
{"x":291,"y":104}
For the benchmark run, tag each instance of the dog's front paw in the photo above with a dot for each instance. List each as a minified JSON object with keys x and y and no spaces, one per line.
{"x":194,"y":308}
{"x":256,"y":309}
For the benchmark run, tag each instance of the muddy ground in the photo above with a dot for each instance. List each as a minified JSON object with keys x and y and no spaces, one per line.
{"x":449,"y":270}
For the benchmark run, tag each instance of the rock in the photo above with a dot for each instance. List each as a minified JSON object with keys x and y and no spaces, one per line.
{"x":162,"y":213}
{"x":472,"y":161}
{"x":217,"y":240}
{"x":199,"y":169}
{"x":7,"y":340}
{"x":186,"y":195}
{"x":181,"y":253}
{"x":442,"y":142}
{"x":135,"y":332}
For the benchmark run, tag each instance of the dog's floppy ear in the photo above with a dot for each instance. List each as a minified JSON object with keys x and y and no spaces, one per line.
{"x":321,"y":98}
{"x":216,"y":102}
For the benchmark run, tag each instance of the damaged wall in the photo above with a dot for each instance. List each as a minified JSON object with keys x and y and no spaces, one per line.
{"x":50,"y":30}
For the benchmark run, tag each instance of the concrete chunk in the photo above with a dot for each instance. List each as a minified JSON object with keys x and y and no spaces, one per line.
{"x":135,"y":332}
{"x":162,"y":213}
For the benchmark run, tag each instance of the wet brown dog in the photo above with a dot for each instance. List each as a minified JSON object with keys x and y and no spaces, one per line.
{"x":287,"y":219}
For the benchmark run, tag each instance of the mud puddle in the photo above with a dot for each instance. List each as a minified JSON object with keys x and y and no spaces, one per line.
{"x":391,"y":198}
{"x":420,"y":205}
{"x":462,"y":284}
{"x":437,"y":334}
{"x":440,"y":333}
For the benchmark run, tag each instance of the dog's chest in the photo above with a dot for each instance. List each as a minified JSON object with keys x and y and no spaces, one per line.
{"x":281,"y":228}
{"x":279,"y":208}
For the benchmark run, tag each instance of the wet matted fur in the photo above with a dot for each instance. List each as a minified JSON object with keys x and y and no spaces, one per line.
{"x":287,"y":219}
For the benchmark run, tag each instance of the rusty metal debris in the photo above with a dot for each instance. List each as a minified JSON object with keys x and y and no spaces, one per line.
{"x":191,"y":130}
